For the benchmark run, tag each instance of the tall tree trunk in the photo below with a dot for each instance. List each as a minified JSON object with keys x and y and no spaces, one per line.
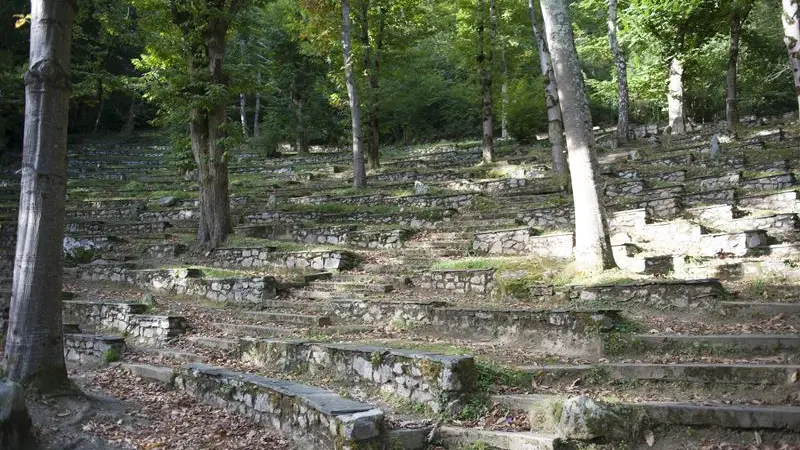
{"x":791,"y":37}
{"x":359,"y":171}
{"x":207,"y":136}
{"x":370,"y":67}
{"x":257,"y":107}
{"x":621,"y":66}
{"x":34,"y":352}
{"x":504,"y":96}
{"x":243,"y":113}
{"x":555,"y":125}
{"x":677,"y":119}
{"x":485,"y":56}
{"x":731,"y":101}
{"x":592,"y":243}
{"x":101,"y":100}
{"x":130,"y":122}
{"x":301,"y":144}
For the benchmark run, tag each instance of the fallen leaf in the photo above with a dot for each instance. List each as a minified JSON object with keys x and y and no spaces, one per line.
{"x":650,"y":438}
{"x":758,"y":437}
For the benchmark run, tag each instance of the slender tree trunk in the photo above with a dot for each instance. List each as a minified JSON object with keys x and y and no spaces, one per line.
{"x":485,"y":55}
{"x":130,"y":122}
{"x":504,"y":97}
{"x":101,"y":99}
{"x":677,"y":119}
{"x":301,"y":144}
{"x":243,"y":113}
{"x":592,"y":243}
{"x":206,"y":132}
{"x":359,"y":171}
{"x":731,"y":101}
{"x":621,"y":66}
{"x":791,"y":37}
{"x":373,"y":79}
{"x":257,"y":107}
{"x":555,"y":125}
{"x":34,"y":352}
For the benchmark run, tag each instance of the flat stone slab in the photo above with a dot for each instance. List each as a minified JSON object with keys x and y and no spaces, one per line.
{"x":157,"y":373}
{"x":318,"y":418}
{"x":726,"y":416}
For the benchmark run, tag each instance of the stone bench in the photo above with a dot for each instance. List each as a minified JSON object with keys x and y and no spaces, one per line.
{"x":572,"y":332}
{"x":127,"y":318}
{"x":92,"y":348}
{"x":318,"y":418}
{"x":409,"y":220}
{"x":437,"y":381}
{"x":786,"y":201}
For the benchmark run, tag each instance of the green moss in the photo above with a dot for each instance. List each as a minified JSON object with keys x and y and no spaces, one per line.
{"x":111,"y":355}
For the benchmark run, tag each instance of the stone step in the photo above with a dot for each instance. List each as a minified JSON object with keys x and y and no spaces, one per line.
{"x":236,"y":329}
{"x":726,"y":343}
{"x":695,"y":373}
{"x":301,"y":320}
{"x":313,"y":294}
{"x":463,"y":438}
{"x":344,"y":286}
{"x":757,"y":309}
{"x":170,"y":353}
{"x":214,"y":343}
{"x":684,"y":414}
{"x":295,"y":306}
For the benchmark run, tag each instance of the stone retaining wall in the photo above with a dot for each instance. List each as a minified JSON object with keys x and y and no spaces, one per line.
{"x":480,"y":281}
{"x":91,"y":348}
{"x":319,"y":419}
{"x":344,"y":235}
{"x":564,"y":332}
{"x":413,"y":221}
{"x":261,"y":257}
{"x":238,"y":290}
{"x":437,"y":381}
{"x":549,"y":218}
{"x":656,"y":294}
{"x":127,"y":318}
{"x":772,"y":182}
{"x":779,"y":201}
{"x":503,"y":242}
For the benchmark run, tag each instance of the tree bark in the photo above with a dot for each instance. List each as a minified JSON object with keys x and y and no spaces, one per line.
{"x":791,"y":37}
{"x":555,"y":125}
{"x":677,"y":119}
{"x":731,"y":101}
{"x":359,"y":171}
{"x":34,"y":353}
{"x":257,"y":107}
{"x":207,"y":135}
{"x":371,"y":64}
{"x":621,"y":65}
{"x":485,"y":56}
{"x":243,"y":113}
{"x":504,"y":97}
{"x":592,"y":244}
{"x":130,"y":122}
{"x":101,"y":99}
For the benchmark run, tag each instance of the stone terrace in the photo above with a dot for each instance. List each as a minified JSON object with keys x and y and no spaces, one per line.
{"x":438,"y":306}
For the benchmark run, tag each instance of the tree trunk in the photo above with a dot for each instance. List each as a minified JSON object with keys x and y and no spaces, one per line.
{"x":675,"y":96}
{"x":731,"y":100}
{"x":621,"y":66}
{"x":370,"y":63}
{"x":101,"y":99}
{"x":243,"y":113}
{"x":504,"y":97}
{"x":555,"y":125}
{"x":373,"y":79}
{"x":257,"y":107}
{"x":301,"y":144}
{"x":359,"y":171}
{"x":34,"y":352}
{"x":209,"y":154}
{"x":130,"y":122}
{"x":592,"y":243}
{"x":485,"y":56}
{"x":791,"y":37}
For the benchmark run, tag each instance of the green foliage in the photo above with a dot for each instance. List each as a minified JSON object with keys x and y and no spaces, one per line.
{"x":527,"y":114}
{"x":111,"y":355}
